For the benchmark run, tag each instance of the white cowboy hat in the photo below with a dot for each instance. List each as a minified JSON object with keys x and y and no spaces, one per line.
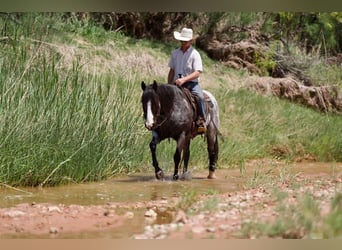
{"x":185,"y":35}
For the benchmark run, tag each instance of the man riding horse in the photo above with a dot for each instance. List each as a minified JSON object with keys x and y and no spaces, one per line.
{"x":185,"y":68}
{"x":169,"y":113}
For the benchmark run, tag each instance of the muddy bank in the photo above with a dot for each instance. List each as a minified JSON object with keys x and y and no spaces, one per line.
{"x":51,"y":219}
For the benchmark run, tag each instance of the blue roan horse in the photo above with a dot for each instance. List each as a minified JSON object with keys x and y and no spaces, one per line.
{"x":168,"y":113}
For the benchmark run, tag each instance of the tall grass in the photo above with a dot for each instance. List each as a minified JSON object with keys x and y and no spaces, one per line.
{"x":57,"y":125}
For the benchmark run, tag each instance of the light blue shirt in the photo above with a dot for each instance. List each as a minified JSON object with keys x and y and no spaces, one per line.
{"x":185,"y":63}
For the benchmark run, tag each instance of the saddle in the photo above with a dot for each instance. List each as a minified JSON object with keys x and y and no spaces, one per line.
{"x":192,"y":99}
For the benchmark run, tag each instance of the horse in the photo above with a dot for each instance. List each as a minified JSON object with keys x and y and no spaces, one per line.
{"x":168,"y":113}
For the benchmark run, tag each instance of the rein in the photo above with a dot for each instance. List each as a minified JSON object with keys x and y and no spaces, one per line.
{"x":162,"y":122}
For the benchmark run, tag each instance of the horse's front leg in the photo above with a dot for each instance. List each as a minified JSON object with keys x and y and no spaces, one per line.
{"x":153,"y":147}
{"x":186,"y":155}
{"x":213,"y":150}
{"x":177,"y":155}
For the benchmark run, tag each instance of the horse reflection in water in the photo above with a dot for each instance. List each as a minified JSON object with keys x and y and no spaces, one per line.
{"x":168,"y":113}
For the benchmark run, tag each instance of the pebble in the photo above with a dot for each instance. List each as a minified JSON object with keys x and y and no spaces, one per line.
{"x":173,"y":226}
{"x":223,"y":227}
{"x":129,"y":215}
{"x":150,"y":213}
{"x":53,"y":230}
{"x":54,"y":209}
{"x":198,"y":230}
{"x":14,"y":213}
{"x":181,"y":217}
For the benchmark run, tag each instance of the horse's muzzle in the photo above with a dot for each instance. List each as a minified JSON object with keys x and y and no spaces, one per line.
{"x":149,"y":126}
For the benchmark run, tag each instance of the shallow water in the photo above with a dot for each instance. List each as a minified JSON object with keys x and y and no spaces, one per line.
{"x":133,"y":188}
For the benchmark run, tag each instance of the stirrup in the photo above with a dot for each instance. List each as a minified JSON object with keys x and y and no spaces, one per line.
{"x":201,"y":130}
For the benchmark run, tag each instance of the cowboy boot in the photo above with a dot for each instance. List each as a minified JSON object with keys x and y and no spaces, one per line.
{"x":201,"y":127}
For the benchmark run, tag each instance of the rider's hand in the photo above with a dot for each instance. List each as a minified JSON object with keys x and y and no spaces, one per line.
{"x":179,"y":81}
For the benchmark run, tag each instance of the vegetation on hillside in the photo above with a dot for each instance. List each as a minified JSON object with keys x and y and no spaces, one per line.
{"x":70,"y":97}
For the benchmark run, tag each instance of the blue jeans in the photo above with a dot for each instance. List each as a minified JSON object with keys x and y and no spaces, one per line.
{"x":196,"y":90}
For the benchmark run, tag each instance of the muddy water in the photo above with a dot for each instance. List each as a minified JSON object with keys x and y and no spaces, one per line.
{"x":133,"y":188}
{"x":144,"y":187}
{"x":138,"y":187}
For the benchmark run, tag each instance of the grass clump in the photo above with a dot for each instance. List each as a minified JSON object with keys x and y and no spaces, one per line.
{"x":187,"y":199}
{"x":302,"y":219}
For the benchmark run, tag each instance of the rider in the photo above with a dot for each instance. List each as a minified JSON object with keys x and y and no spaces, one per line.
{"x":185,"y":68}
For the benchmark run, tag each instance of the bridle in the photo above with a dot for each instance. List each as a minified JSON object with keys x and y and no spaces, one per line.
{"x":158,"y":115}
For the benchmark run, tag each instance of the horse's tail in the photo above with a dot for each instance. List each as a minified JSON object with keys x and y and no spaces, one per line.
{"x":219,"y":133}
{"x":215,"y":113}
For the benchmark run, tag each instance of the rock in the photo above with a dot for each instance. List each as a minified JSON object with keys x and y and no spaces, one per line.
{"x":53,"y":230}
{"x":54,"y":209}
{"x":198,"y":230}
{"x":129,"y":215}
{"x":13,"y":213}
{"x":150,"y":213}
{"x":181,"y":217}
{"x":223,"y":227}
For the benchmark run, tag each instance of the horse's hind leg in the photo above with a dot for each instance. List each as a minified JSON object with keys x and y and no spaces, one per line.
{"x":181,"y":143}
{"x":212,"y":152}
{"x":186,"y":155}
{"x":186,"y":176}
{"x":153,"y":146}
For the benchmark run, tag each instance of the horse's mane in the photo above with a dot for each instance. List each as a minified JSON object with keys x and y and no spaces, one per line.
{"x":167,"y":94}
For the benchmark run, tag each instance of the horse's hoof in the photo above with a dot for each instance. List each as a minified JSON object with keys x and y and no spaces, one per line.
{"x":211,"y":175}
{"x":176,"y":177}
{"x":160,"y":175}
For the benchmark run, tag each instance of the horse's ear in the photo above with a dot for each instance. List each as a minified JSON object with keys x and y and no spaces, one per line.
{"x":155,"y":85}
{"x":143,"y":85}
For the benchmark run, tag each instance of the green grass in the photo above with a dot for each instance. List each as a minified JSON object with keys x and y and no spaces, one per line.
{"x":70,"y":126}
{"x":59,"y":123}
{"x":70,"y":108}
{"x":260,"y":126}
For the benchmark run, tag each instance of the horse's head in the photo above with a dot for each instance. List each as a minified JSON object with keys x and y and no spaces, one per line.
{"x":151,"y":104}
